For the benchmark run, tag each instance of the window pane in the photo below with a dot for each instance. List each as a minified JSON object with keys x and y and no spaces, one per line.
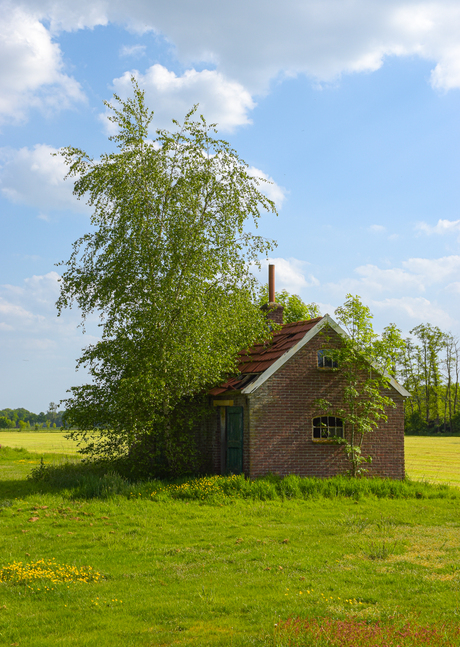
{"x":327,"y":427}
{"x":326,"y":359}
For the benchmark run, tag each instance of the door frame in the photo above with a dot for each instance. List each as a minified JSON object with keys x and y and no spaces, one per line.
{"x":232,"y":410}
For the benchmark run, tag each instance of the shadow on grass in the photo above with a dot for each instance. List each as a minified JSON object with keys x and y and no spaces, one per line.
{"x":73,"y":481}
{"x":57,"y":474}
{"x":17,"y":489}
{"x":76,"y":480}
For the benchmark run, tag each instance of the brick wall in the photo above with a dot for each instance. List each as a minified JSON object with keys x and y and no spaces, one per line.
{"x":280,"y":418}
{"x":273,"y":311}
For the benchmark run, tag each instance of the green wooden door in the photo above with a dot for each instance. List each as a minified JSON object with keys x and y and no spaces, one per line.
{"x":234,"y":429}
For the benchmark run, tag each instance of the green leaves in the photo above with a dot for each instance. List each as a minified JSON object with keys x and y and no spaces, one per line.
{"x":366,"y":361}
{"x":294,"y":308}
{"x":166,"y":268}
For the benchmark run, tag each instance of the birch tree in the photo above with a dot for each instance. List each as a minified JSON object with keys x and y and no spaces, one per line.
{"x":166,"y":267}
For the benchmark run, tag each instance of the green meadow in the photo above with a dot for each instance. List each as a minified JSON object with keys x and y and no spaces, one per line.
{"x":433,"y":459}
{"x":427,"y":458}
{"x":40,"y":442}
{"x":89,"y":559}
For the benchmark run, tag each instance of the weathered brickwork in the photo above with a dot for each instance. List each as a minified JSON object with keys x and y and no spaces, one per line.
{"x":278,"y":420}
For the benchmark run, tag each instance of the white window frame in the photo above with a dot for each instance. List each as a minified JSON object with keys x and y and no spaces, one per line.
{"x":325,"y":359}
{"x":326,"y":428}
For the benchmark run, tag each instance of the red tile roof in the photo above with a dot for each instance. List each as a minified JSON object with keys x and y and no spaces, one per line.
{"x":257,"y":359}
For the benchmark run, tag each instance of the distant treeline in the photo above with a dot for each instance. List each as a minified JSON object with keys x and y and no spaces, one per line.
{"x":23,"y":419}
{"x":429,"y":368}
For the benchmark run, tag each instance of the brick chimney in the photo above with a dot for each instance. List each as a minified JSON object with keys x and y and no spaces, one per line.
{"x":274,"y":310}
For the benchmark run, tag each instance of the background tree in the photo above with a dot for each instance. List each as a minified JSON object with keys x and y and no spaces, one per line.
{"x":166,"y":267}
{"x":294,"y":308}
{"x":366,"y":363}
{"x":6,"y":423}
{"x":52,"y":412}
{"x":431,"y":342}
{"x":13,"y":416}
{"x":429,"y":367}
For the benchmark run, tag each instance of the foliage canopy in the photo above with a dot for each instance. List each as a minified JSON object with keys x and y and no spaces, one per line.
{"x":294,"y":308}
{"x":166,"y":266}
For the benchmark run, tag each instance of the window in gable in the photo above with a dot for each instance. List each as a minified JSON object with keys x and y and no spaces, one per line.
{"x":325,"y":427}
{"x":325,"y":359}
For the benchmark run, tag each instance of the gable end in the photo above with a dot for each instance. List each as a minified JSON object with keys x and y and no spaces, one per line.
{"x":325,"y":321}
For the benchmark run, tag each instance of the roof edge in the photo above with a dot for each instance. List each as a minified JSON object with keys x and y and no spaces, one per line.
{"x":288,"y":354}
{"x":327,"y":320}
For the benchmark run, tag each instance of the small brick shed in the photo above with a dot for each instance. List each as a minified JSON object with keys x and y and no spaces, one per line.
{"x":266,"y":421}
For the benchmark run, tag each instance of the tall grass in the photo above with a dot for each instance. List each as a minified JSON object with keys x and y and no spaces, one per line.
{"x":88,"y":481}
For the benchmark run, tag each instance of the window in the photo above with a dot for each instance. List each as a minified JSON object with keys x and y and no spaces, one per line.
{"x":325,"y":427}
{"x":325,"y":359}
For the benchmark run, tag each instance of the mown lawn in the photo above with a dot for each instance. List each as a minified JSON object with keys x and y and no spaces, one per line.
{"x":222,"y":571}
{"x":41,"y":442}
{"x":433,"y":459}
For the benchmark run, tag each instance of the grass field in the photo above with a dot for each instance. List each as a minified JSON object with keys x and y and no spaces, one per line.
{"x":433,"y":459}
{"x":218,"y":572}
{"x":427,"y":458}
{"x":42,"y":442}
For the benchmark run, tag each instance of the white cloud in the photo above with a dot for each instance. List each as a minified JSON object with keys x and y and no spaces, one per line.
{"x":31,"y":302}
{"x":377,"y":229}
{"x":42,"y":344}
{"x":45,"y":288}
{"x":441,"y":228}
{"x":31,"y":71}
{"x":16,"y":313}
{"x":289,"y":274}
{"x":415,"y":309}
{"x":222,"y":101}
{"x":249,"y":44}
{"x":30,"y":331}
{"x":258,"y":41}
{"x":272,"y":190}
{"x":374,"y":279}
{"x":415,"y":275}
{"x":436,"y":270}
{"x":36,"y":178}
{"x":30,"y":309}
{"x":453,"y":287}
{"x":136,"y":51}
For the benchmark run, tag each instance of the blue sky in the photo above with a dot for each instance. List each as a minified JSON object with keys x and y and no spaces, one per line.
{"x":351,"y":108}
